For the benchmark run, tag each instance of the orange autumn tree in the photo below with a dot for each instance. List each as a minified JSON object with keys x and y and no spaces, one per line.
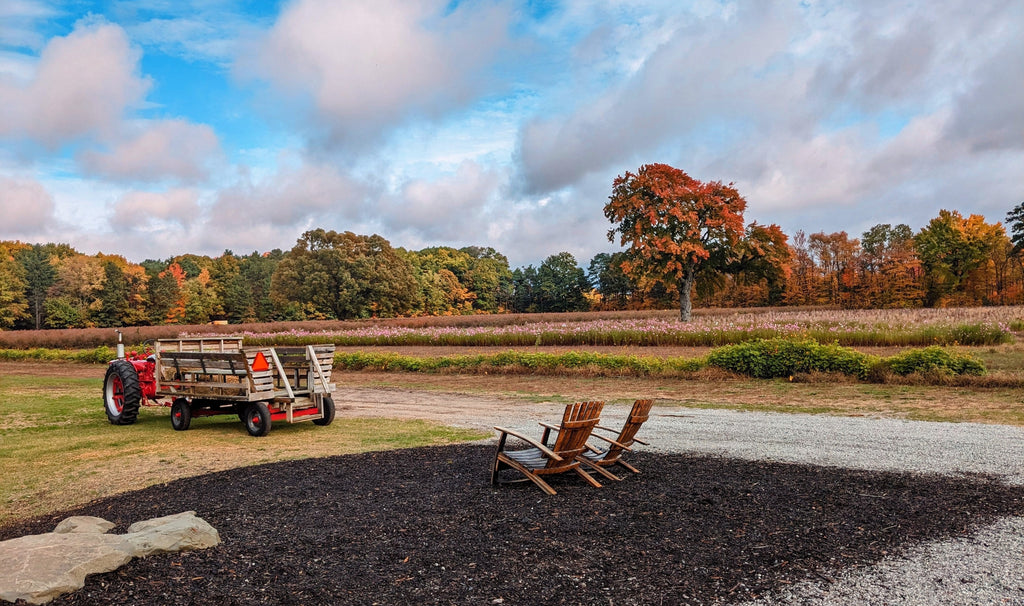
{"x":676,"y":227}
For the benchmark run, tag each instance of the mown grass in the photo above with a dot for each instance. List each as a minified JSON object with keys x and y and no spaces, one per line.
{"x":57,"y":449}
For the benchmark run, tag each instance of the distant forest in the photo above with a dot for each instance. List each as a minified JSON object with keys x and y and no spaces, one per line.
{"x":952,"y":261}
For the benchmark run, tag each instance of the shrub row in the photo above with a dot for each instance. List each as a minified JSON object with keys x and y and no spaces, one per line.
{"x":98,"y":355}
{"x":762,"y":359}
{"x":519,"y":361}
{"x":771,"y":358}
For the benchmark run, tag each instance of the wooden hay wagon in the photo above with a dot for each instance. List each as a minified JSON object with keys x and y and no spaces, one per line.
{"x":207,"y":376}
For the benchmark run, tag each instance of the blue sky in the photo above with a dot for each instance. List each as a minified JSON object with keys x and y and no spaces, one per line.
{"x":151,"y":128}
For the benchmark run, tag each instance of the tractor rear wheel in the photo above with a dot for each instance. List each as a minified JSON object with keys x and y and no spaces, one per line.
{"x":257,"y":419}
{"x":181,"y":414}
{"x":121,"y":393}
{"x":328,"y":412}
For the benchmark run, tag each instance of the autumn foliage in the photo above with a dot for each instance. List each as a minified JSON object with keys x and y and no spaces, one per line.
{"x":675,"y":226}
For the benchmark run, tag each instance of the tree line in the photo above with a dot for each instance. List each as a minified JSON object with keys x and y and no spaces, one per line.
{"x":953,"y":260}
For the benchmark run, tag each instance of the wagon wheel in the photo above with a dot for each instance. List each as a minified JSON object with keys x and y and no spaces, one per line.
{"x":328,"y":412}
{"x":121,"y":393}
{"x":181,"y":414}
{"x":257,"y":419}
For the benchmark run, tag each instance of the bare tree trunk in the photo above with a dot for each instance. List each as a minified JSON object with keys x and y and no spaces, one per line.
{"x":685,"y":286}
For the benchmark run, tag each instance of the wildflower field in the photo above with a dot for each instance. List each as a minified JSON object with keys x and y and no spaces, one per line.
{"x":855,"y":328}
{"x":972,"y":326}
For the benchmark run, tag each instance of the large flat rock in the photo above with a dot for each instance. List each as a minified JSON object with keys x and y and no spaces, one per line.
{"x":38,"y":568}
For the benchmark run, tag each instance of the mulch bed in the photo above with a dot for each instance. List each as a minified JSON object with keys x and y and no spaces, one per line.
{"x":424,"y":526}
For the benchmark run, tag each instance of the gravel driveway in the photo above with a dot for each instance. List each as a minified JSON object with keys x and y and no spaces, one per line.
{"x":985,"y":568}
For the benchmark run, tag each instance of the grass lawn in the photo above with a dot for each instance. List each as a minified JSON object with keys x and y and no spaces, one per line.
{"x":57,"y":449}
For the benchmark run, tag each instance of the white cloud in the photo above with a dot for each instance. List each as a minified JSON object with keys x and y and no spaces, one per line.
{"x":83,"y":84}
{"x":364,"y":67}
{"x":174,"y":209}
{"x":293,"y":199}
{"x":161,"y":149}
{"x":18,"y":19}
{"x":449,"y":209}
{"x":26,"y":207}
{"x":703,"y":74}
{"x":197,"y":37}
{"x":827,"y":116}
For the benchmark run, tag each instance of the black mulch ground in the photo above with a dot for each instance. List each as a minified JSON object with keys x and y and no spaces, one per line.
{"x":424,"y":527}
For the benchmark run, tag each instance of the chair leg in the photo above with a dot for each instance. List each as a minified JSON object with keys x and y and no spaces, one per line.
{"x":628,"y":466}
{"x":526,"y":472}
{"x":586,"y":476}
{"x":600,"y":470}
{"x":497,"y":459}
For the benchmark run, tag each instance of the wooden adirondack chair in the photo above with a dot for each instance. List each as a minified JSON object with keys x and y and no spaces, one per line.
{"x":596,"y":458}
{"x":577,"y":422}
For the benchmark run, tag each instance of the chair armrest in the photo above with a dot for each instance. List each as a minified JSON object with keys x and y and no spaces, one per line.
{"x":549,"y":425}
{"x":610,"y":441}
{"x":544,"y":449}
{"x":641,"y":442}
{"x":606,"y":428}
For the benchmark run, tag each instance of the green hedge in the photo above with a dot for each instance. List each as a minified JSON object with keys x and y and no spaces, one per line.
{"x":98,"y":355}
{"x":771,"y":358}
{"x":545,"y":362}
{"x":933,"y":359}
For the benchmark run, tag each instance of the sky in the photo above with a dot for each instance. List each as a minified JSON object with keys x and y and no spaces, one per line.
{"x":153,"y":128}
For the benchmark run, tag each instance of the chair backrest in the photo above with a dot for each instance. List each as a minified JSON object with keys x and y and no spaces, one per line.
{"x":578,"y":421}
{"x":637,"y":416}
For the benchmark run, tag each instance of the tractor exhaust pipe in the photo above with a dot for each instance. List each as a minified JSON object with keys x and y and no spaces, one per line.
{"x":120,"y":345}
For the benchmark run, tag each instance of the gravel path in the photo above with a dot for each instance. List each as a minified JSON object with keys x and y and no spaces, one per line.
{"x":985,"y":568}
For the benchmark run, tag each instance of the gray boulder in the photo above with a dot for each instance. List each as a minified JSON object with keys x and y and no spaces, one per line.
{"x":38,"y":568}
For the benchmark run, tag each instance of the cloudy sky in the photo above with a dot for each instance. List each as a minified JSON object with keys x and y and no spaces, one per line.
{"x":150,"y":128}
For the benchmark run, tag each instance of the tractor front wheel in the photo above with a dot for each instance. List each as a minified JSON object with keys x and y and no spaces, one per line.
{"x":328,"y":412}
{"x":121,"y":393}
{"x":181,"y":414}
{"x":257,"y":419}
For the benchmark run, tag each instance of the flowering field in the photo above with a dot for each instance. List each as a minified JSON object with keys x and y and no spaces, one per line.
{"x":968,"y":326}
{"x":709,"y":328}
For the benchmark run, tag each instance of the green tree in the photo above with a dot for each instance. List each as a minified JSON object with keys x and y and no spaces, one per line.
{"x":1015,"y":222}
{"x":762,"y":261}
{"x":561,"y":284}
{"x":488,"y":277}
{"x":344,"y":275}
{"x":114,"y":296}
{"x":524,"y":290}
{"x":39,"y":277}
{"x":950,"y":248}
{"x":164,"y":293}
{"x":606,"y":276}
{"x":78,"y":285}
{"x":891,"y":268}
{"x":676,"y":227}
{"x":13,"y":305}
{"x":201,"y":300}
